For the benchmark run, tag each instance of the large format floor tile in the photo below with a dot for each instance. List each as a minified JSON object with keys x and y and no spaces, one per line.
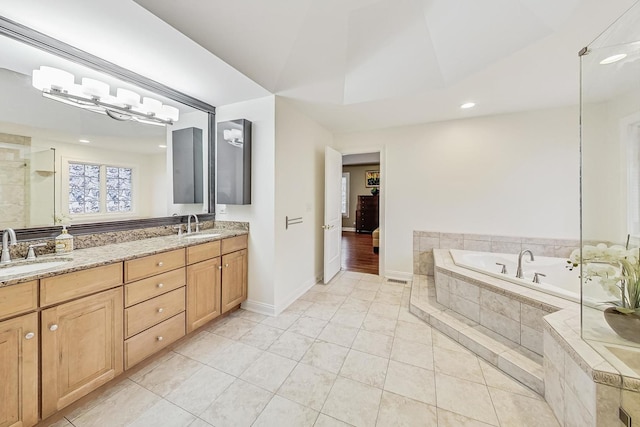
{"x":345,"y":354}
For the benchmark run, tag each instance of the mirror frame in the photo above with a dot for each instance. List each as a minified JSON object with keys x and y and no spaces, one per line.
{"x":48,"y":44}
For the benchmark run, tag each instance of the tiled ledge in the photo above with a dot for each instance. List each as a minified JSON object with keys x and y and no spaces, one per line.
{"x":564,"y":328}
{"x":514,"y":360}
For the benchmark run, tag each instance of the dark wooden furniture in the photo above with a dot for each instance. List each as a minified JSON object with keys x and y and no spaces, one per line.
{"x":367,"y":214}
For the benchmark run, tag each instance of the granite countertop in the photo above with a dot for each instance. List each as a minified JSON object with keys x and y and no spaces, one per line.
{"x":81,"y":259}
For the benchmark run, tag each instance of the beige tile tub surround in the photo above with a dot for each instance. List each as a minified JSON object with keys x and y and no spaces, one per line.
{"x":514,"y":312}
{"x":580,"y":386}
{"x":424,"y":242}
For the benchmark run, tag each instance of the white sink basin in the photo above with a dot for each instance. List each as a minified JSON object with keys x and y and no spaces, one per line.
{"x":200,"y":236}
{"x":10,"y":269}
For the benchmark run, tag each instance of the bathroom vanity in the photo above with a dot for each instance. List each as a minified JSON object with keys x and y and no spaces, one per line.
{"x":68,"y":330}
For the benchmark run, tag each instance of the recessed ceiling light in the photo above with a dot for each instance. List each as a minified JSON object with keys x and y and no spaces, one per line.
{"x":613,"y":58}
{"x":162,"y":146}
{"x":468,"y":105}
{"x":84,"y":141}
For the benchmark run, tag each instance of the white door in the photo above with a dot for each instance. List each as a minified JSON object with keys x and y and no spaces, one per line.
{"x":332,"y":212}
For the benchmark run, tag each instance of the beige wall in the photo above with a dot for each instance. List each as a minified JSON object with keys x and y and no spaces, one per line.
{"x":356,"y":188}
{"x":509,"y":175}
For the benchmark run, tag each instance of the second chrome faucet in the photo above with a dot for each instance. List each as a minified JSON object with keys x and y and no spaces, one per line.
{"x":519,"y":273}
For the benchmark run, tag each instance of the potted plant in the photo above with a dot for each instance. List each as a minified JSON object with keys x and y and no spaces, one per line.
{"x":617,"y":269}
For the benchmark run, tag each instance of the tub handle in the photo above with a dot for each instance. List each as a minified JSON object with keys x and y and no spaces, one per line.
{"x":504,"y":268}
{"x":536,"y":277}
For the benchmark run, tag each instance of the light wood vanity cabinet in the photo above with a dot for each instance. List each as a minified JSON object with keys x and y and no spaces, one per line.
{"x":234,"y":279}
{"x":154,"y":314}
{"x":19,"y":370}
{"x":216,"y":283}
{"x":203,"y":292}
{"x":81,"y":347}
{"x":94,"y":323}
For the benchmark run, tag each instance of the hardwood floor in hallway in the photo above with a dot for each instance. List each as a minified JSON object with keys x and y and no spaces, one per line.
{"x":357,"y":253}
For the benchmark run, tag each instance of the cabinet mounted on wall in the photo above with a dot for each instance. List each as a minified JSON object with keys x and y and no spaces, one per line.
{"x":233,"y":144}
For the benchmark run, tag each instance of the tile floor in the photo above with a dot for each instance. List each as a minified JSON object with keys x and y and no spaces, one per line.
{"x":347,"y":353}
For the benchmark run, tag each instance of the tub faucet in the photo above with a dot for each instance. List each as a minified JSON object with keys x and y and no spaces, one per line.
{"x":519,"y":274}
{"x":6,"y":257}
{"x":195,"y":217}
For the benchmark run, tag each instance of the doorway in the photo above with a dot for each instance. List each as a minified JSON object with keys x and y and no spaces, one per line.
{"x":361,"y":212}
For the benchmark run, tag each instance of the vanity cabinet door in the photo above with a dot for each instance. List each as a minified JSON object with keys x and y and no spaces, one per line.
{"x":234,"y":279}
{"x":81,"y":348}
{"x":19,"y":371}
{"x":203,"y":293}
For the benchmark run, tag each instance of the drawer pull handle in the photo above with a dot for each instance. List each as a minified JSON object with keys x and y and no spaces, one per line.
{"x":160,"y":338}
{"x":160,"y":310}
{"x":160,"y":264}
{"x":53,"y":327}
{"x":160,"y":285}
{"x":29,"y":336}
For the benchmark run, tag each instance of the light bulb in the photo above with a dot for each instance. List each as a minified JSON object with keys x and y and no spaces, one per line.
{"x":127,"y":97}
{"x":95,"y":88}
{"x":151,"y":106}
{"x":169,"y":113}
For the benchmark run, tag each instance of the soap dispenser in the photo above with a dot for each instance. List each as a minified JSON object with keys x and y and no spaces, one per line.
{"x":64,"y":241}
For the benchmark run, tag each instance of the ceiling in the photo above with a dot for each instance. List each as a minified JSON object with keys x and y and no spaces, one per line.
{"x":365,"y":64}
{"x":349,"y":64}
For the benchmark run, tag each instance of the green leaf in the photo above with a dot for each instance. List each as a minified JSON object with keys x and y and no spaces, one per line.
{"x":625,"y":310}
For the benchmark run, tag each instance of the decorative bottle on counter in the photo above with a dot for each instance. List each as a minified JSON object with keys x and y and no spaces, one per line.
{"x":64,"y":241}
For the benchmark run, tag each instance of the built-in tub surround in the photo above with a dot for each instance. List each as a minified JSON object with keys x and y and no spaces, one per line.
{"x":424,"y":242}
{"x":556,"y":277}
{"x":504,"y":307}
{"x":582,"y":388}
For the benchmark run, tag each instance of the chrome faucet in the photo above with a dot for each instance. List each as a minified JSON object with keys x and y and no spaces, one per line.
{"x":189,"y":223}
{"x":519,"y":274}
{"x":6,"y":257}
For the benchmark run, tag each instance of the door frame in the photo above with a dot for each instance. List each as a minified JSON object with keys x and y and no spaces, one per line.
{"x":383,"y":197}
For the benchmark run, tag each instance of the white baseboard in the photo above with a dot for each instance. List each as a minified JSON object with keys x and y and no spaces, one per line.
{"x":349,"y":229}
{"x":259,"y":307}
{"x":297,"y":293}
{"x":398,"y":275}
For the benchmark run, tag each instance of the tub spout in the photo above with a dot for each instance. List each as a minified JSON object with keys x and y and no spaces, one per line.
{"x":519,"y":274}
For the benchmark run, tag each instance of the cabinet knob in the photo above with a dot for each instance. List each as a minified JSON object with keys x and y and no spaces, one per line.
{"x":29,"y":335}
{"x":160,"y":310}
{"x":160,"y":263}
{"x":226,"y":265}
{"x":159,"y":285}
{"x":160,"y":338}
{"x":219,"y":267}
{"x":53,"y":327}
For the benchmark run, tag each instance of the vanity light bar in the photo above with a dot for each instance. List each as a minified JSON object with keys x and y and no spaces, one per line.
{"x":93,"y":95}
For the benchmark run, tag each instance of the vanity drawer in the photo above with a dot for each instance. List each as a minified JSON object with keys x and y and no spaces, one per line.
{"x":153,"y":264}
{"x":151,"y":312}
{"x":18,"y":299}
{"x":234,"y":244}
{"x":65,"y":287}
{"x":153,"y":340}
{"x":203,"y":252}
{"x":144,"y":289}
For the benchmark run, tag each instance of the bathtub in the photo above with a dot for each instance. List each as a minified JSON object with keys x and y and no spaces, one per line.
{"x":559,"y":280}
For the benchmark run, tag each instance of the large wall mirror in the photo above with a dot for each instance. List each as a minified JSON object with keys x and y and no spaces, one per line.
{"x":65,"y":157}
